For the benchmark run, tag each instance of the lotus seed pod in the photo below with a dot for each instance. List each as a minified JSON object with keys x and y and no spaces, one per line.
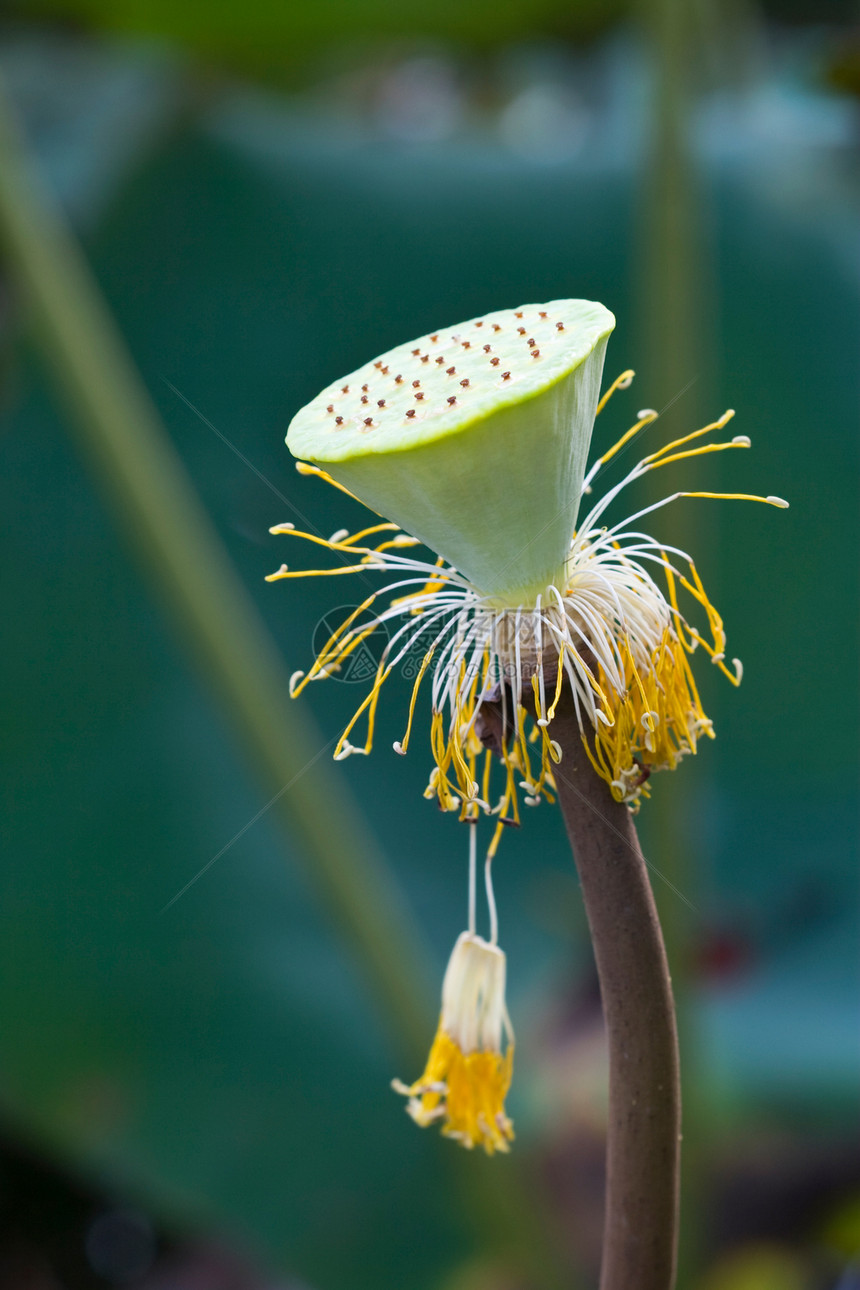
{"x":473,"y":439}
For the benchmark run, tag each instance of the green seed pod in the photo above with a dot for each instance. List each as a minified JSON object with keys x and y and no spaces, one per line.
{"x":473,"y":439}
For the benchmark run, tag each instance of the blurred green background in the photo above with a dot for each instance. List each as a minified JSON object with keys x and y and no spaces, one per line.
{"x":268,"y":195}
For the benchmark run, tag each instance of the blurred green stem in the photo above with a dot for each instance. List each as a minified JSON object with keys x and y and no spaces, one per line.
{"x":151,"y":497}
{"x":145,"y":485}
{"x":676,"y":307}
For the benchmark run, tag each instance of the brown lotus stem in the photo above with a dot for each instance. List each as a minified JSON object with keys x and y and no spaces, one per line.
{"x":643,"y":1144}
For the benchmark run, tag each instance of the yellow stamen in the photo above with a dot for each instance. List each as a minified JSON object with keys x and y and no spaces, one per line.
{"x":621,"y":382}
{"x":741,"y":497}
{"x":643,"y":421}
{"x":466,"y":1092}
{"x":284,"y":572}
{"x":697,"y":452}
{"x":688,"y":438}
{"x":369,"y":701}
{"x":305,"y":468}
{"x":338,"y":646}
{"x":402,"y":744}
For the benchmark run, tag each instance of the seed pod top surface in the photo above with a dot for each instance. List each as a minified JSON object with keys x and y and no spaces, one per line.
{"x":441,"y":383}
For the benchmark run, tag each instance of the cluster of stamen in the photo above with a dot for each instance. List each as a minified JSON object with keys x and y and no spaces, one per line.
{"x":618,"y":643}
